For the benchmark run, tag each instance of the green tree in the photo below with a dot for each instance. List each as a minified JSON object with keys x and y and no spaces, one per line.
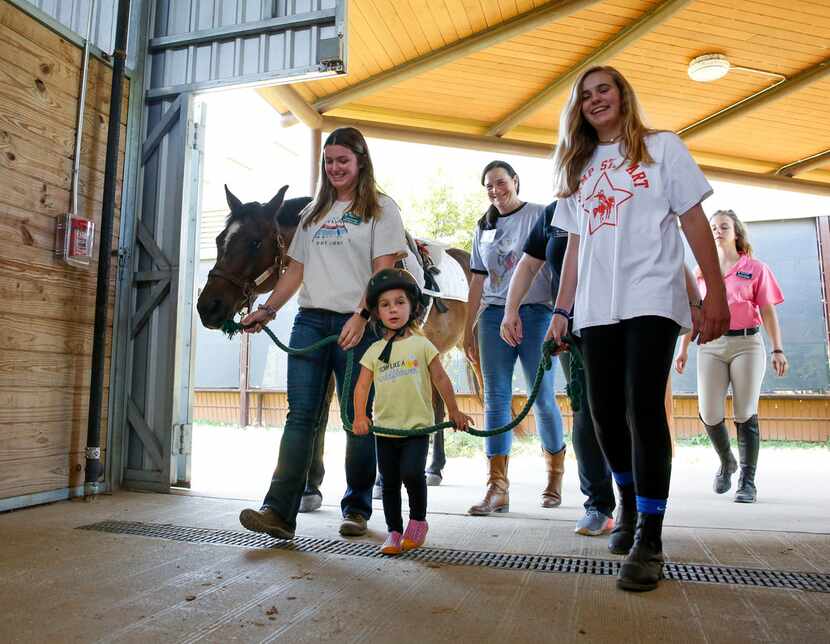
{"x":448,"y":212}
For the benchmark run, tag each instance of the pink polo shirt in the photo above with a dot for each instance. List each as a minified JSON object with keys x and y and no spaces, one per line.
{"x":749,"y":284}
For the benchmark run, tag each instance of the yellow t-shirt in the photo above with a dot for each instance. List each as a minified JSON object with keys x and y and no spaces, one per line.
{"x":403,"y":388}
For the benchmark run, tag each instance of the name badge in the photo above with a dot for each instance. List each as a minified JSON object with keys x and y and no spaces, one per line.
{"x":744,"y":275}
{"x":488,"y":236}
{"x":351,"y":218}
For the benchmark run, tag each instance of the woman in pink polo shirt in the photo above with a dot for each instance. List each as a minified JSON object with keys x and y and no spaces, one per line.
{"x":739,"y":357}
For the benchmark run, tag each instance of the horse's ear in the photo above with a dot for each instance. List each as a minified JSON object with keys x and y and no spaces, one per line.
{"x":233,"y":202}
{"x":273,"y":206}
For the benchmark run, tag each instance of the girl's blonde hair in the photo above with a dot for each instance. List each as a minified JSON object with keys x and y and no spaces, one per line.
{"x":366,"y":203}
{"x":578,"y":139}
{"x":742,"y":244}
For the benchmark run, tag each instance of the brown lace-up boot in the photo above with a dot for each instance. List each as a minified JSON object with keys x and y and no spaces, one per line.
{"x":555,"y":465}
{"x":497,"y":498}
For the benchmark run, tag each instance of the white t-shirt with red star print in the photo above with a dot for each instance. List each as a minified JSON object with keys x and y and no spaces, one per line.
{"x":630,"y":250}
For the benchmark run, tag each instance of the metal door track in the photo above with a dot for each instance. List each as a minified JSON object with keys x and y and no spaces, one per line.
{"x":702,"y":573}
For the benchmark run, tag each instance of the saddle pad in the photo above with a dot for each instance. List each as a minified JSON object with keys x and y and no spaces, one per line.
{"x":451,"y":280}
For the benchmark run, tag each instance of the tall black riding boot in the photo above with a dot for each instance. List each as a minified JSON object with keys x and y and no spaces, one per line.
{"x":749,"y":442}
{"x":622,"y":536}
{"x":643,"y":567}
{"x":728,"y":466}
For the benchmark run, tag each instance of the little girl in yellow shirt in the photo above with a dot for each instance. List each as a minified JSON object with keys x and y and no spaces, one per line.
{"x":404,"y":367}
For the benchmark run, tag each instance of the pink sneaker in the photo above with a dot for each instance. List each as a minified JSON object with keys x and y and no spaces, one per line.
{"x":392,"y":545}
{"x":414,"y":535}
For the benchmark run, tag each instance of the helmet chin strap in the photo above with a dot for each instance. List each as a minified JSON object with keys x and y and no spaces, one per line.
{"x":386,"y":354}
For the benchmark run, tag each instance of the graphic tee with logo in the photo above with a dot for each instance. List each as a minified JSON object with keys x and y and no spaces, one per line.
{"x":497,"y":251}
{"x":403,"y":388}
{"x":335,"y":254}
{"x":630,"y":249}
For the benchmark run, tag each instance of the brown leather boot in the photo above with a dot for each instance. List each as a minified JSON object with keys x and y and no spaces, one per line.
{"x":555,"y":465}
{"x":497,"y":497}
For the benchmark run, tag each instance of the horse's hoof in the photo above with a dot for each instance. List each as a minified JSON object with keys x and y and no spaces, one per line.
{"x":434,"y":479}
{"x":310,"y":502}
{"x":377,"y":492}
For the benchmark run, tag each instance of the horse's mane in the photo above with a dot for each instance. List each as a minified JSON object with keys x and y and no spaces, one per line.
{"x":288,"y":215}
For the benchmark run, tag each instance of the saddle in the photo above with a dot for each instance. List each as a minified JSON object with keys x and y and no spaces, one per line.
{"x":420,"y":251}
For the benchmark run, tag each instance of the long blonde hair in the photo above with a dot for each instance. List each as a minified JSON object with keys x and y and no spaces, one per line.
{"x":366,"y":203}
{"x":742,"y":244}
{"x":578,"y":139}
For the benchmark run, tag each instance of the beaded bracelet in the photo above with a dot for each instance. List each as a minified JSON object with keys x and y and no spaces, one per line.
{"x":270,"y":310}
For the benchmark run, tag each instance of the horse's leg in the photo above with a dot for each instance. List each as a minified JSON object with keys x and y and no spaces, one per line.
{"x":439,"y":456}
{"x":312,"y":496}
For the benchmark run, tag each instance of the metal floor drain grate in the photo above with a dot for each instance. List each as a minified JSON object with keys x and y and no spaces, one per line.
{"x":704,"y":573}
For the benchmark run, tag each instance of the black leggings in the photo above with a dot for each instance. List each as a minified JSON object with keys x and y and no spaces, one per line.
{"x":626,"y":367}
{"x":402,"y":460}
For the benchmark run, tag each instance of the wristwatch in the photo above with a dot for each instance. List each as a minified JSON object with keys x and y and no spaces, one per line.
{"x":364,"y":313}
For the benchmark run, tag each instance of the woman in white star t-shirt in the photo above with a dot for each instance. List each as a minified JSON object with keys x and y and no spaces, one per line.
{"x":622,"y":189}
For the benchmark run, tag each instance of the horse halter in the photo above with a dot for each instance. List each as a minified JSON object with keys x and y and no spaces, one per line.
{"x":248,"y":286}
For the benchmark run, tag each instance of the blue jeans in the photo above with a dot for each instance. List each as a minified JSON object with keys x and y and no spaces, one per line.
{"x":497,"y":362}
{"x":308,"y":376}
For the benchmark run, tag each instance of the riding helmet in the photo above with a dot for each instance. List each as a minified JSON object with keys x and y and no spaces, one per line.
{"x":390,"y":278}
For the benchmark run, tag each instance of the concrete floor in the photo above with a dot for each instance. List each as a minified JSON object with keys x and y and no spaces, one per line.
{"x":59,"y":584}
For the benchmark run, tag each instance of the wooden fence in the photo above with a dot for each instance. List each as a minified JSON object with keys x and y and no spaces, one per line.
{"x":801,"y":418}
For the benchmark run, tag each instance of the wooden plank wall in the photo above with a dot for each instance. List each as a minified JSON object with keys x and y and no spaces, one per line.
{"x":46,"y":308}
{"x":781,"y":418}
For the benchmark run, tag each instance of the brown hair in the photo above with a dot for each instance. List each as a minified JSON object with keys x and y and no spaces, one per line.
{"x":489,"y":218}
{"x":366,"y":203}
{"x":742,"y":244}
{"x":578,"y":139}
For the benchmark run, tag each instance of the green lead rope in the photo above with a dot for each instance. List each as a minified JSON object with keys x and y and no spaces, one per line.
{"x":574,"y":390}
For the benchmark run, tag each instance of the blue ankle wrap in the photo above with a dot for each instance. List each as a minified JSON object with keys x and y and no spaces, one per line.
{"x":651,"y":506}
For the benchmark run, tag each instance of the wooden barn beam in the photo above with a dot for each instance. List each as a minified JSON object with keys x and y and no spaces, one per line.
{"x":296,"y":104}
{"x":441,"y":138}
{"x":758,"y":99}
{"x":610,"y":48}
{"x":521,"y":24}
{"x":804,"y":165}
{"x":767,"y":180}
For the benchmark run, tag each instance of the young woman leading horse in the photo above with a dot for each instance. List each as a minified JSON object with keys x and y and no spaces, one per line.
{"x":251,"y":259}
{"x":347,"y":233}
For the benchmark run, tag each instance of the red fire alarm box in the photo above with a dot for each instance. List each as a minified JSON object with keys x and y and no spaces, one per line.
{"x":74,"y":237}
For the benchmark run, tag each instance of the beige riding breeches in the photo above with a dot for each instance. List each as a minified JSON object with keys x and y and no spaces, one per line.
{"x":739,"y":361}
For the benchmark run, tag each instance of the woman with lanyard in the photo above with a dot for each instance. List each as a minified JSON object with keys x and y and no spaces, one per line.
{"x":622,"y":189}
{"x":349,"y":231}
{"x":497,"y":245}
{"x":547,"y":243}
{"x":739,"y":357}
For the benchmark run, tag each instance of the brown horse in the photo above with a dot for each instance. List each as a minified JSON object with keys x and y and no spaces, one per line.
{"x":250,"y":256}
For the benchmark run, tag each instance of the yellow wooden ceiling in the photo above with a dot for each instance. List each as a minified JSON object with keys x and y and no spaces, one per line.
{"x":472,"y":94}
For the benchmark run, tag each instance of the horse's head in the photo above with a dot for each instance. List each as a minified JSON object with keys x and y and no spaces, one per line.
{"x":250,"y":253}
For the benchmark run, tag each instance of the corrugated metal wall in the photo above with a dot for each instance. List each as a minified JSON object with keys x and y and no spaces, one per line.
{"x":73,"y":14}
{"x":203,"y":57}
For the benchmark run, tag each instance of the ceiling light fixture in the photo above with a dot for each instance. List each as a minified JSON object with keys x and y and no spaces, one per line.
{"x":709,"y":67}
